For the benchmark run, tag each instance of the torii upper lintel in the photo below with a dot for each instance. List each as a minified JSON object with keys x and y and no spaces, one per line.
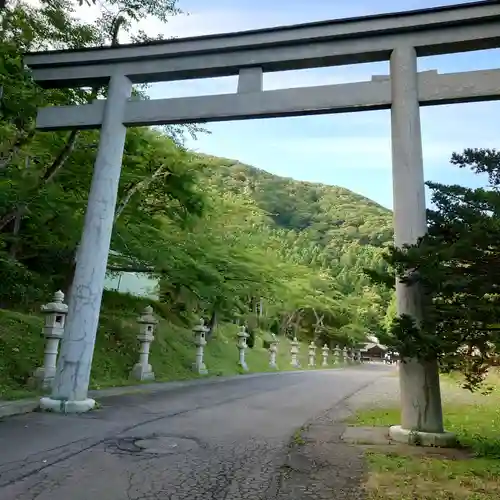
{"x":439,"y":30}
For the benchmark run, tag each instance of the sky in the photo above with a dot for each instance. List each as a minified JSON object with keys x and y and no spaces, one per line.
{"x":349,"y":150}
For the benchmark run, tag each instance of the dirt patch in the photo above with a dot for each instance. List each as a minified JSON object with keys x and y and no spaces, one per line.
{"x":320,"y":466}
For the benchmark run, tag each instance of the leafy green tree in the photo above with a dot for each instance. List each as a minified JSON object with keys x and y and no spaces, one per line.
{"x":44,"y":177}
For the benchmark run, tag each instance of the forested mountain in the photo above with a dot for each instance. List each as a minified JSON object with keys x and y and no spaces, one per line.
{"x":330,"y":214}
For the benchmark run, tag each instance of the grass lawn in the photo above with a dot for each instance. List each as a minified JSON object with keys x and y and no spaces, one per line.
{"x":471,"y":472}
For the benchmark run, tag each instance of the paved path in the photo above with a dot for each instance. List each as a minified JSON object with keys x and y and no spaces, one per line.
{"x":222,"y":441}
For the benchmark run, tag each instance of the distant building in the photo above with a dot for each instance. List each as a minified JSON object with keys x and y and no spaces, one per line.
{"x":373,"y":350}
{"x":137,"y":284}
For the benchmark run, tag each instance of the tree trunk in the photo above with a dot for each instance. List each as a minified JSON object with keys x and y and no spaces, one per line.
{"x":297,"y":325}
{"x":48,"y":175}
{"x":15,"y":234}
{"x":212,"y":324}
{"x":142,"y":184}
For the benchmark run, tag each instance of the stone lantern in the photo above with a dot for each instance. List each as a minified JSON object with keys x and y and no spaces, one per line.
{"x":338,"y":354}
{"x":147,"y":323}
{"x":54,"y":320}
{"x":242,"y":347}
{"x":294,"y":351}
{"x":273,"y":349}
{"x":345,"y":355}
{"x":324,"y":353}
{"x":200,"y":341}
{"x":312,"y":355}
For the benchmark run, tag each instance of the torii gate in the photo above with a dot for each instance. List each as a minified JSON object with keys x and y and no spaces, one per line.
{"x":398,"y":37}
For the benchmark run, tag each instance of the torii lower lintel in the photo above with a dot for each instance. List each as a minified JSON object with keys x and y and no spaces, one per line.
{"x":433,"y":89}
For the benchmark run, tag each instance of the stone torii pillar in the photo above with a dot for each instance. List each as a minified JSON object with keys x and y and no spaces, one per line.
{"x":421,"y":409}
{"x":71,"y":382}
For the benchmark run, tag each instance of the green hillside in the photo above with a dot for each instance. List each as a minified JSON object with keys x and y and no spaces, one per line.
{"x":328,"y":213}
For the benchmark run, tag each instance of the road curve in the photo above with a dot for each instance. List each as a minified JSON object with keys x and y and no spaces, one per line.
{"x":213,"y":441}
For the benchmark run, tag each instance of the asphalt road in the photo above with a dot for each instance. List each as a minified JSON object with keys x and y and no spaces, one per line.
{"x":220,"y":441}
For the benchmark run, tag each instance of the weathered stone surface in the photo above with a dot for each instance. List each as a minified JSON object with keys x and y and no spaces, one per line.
{"x":312,"y":355}
{"x":294,"y":351}
{"x":273,"y":350}
{"x":142,"y":370}
{"x":74,"y":364}
{"x":54,"y":321}
{"x":200,"y":342}
{"x":324,"y":353}
{"x":242,"y":347}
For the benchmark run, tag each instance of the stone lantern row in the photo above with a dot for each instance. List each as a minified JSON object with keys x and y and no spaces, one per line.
{"x":340,"y":355}
{"x":56,"y":311}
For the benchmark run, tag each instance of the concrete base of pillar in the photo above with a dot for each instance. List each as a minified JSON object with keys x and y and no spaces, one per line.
{"x":416,"y":438}
{"x":61,"y":406}
{"x":244,"y":367}
{"x":143,"y":372}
